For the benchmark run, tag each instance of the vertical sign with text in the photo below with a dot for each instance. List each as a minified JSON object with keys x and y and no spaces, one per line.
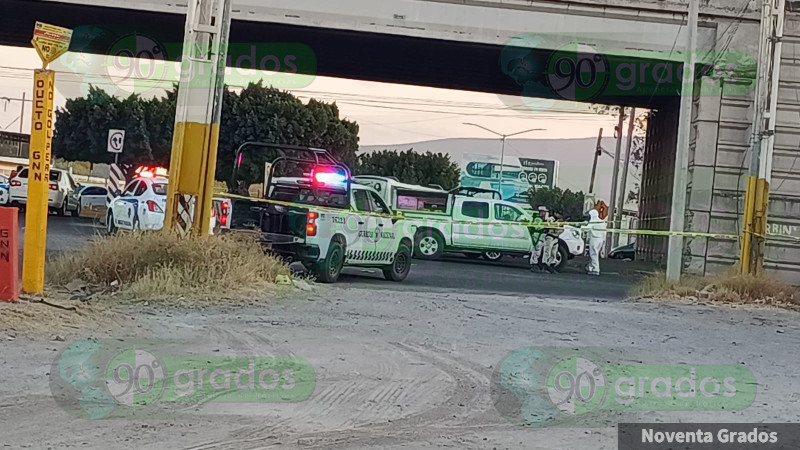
{"x":38,"y":182}
{"x":9,"y":254}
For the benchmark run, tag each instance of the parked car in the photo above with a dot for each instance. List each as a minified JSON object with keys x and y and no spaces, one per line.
{"x":627,"y":251}
{"x":89,"y":200}
{"x":140,"y":206}
{"x":61,"y":186}
{"x":4,"y":196}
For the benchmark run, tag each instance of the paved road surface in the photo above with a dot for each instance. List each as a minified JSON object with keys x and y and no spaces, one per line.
{"x":510,"y":276}
{"x":454,"y":273}
{"x":64,"y":233}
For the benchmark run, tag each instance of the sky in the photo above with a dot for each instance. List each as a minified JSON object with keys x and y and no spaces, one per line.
{"x":388,"y":114}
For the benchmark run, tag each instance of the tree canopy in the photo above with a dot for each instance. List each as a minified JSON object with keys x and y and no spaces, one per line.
{"x":566,"y":203}
{"x":411,"y":167}
{"x":255,"y":113}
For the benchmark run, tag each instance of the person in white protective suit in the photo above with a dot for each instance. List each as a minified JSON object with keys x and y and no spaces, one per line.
{"x":596,"y":232}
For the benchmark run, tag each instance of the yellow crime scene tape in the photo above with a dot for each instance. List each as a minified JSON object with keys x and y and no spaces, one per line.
{"x":536,"y":224}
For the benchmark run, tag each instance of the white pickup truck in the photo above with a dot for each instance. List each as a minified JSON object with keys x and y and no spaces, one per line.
{"x":321,"y":219}
{"x":477,"y":227}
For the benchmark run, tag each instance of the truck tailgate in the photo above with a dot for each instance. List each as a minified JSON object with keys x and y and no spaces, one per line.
{"x":278,"y":223}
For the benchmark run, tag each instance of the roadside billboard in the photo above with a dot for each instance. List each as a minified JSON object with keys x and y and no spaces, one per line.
{"x":519,"y":174}
{"x":540,"y":172}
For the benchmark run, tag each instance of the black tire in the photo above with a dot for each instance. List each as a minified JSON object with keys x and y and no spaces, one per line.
{"x":563,"y":255}
{"x":492,"y":256}
{"x":78,"y":210}
{"x":63,"y":210}
{"x":428,"y":244}
{"x":398,"y":270}
{"x":472,"y":255}
{"x":110,"y":227}
{"x":329,"y":270}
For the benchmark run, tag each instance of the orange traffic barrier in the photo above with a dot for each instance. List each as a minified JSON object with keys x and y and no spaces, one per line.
{"x":9,"y":254}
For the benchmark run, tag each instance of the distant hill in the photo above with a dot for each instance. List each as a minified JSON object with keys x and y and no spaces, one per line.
{"x":574,"y":156}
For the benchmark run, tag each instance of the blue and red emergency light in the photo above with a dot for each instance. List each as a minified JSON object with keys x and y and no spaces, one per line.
{"x":323,"y":176}
{"x":150,"y":172}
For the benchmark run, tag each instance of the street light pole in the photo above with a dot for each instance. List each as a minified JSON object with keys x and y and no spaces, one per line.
{"x":502,"y":159}
{"x":502,"y":148}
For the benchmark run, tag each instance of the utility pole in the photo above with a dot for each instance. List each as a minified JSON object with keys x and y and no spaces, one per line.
{"x":623,"y":184}
{"x":598,"y":150}
{"x":765,"y":108}
{"x":681,"y":175}
{"x":502,"y":148}
{"x":193,"y":161}
{"x":615,"y":177}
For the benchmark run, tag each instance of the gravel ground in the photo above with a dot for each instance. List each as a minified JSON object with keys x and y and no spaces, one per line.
{"x":399,"y":369}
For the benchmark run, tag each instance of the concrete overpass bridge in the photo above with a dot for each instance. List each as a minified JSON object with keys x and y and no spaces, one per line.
{"x":503,"y":46}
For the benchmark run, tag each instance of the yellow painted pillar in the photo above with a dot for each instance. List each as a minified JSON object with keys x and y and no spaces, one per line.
{"x":40,"y":155}
{"x":748,"y":226}
{"x":193,"y":162}
{"x":760,"y":225}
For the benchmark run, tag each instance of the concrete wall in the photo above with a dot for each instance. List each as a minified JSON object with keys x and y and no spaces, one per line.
{"x":720,"y":153}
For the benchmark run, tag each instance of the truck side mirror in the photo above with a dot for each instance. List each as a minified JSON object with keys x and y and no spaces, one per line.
{"x":397,"y":216}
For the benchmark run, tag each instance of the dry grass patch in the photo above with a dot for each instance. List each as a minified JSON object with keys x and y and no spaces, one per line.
{"x":161,"y":264}
{"x":728,"y":287}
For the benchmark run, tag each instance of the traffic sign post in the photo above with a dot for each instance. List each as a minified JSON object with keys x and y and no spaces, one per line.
{"x":116,"y":140}
{"x":50,"y":43}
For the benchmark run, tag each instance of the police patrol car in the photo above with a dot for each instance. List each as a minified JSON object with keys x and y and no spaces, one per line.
{"x":141,"y":205}
{"x":321,"y":219}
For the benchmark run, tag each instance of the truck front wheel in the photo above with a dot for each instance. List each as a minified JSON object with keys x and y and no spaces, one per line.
{"x":398,"y":270}
{"x":561,"y":257}
{"x":329,"y":270}
{"x":428,"y":244}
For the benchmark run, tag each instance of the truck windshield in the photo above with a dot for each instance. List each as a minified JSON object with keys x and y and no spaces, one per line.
{"x":310,"y":196}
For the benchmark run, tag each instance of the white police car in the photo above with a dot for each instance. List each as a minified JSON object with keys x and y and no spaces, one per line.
{"x":141,"y":205}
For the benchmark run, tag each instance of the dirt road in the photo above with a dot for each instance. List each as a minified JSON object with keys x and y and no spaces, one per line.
{"x":402,"y":370}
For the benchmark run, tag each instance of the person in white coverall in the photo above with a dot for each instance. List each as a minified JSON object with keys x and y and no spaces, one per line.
{"x":596,"y":231}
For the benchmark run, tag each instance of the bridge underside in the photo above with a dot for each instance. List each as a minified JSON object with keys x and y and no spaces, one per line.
{"x":344,"y":54}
